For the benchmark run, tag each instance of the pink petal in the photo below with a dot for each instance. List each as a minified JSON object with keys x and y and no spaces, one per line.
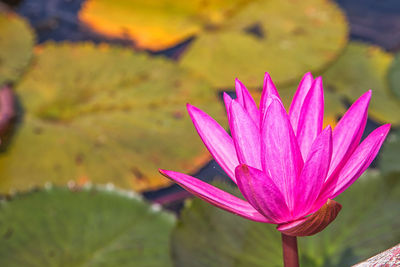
{"x":262,"y":193}
{"x":355,"y":166}
{"x":227,"y":101}
{"x":298,"y":99}
{"x":311,"y":117}
{"x":359,"y":161}
{"x":281,"y":157}
{"x":246,"y":136}
{"x":269,"y":90}
{"x":215,"y":196}
{"x":347,"y":133}
{"x":314,"y":172}
{"x":247,"y":101}
{"x":216,"y":139}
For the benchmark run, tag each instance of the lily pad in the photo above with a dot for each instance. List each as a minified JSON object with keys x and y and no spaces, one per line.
{"x":89,"y":227}
{"x":104,"y":114}
{"x":158,"y":24}
{"x":16,"y":43}
{"x":394,"y":76}
{"x":207,"y":236}
{"x":285,"y":38}
{"x":362,"y":67}
{"x":389,"y":157}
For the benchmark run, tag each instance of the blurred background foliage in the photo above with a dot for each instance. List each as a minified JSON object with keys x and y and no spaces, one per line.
{"x":100,"y":92}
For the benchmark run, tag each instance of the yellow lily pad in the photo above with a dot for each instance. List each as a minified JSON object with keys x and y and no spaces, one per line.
{"x":285,"y":38}
{"x":16,"y":43}
{"x":104,"y":114}
{"x":362,"y":67}
{"x":156,"y":24}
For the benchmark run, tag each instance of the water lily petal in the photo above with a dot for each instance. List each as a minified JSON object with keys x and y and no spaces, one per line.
{"x":298,"y":99}
{"x":247,"y":101}
{"x":312,"y":177}
{"x":311,"y":117}
{"x":281,"y":156}
{"x":262,"y":193}
{"x":348,"y":132}
{"x":228,"y":102}
{"x":359,"y":161}
{"x":215,"y":196}
{"x":246,"y":136}
{"x":216,"y":139}
{"x":269,"y":91}
{"x":355,"y":166}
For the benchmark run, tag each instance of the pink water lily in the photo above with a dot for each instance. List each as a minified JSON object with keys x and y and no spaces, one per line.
{"x":285,"y":164}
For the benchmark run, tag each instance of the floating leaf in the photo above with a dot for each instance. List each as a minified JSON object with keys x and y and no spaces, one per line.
{"x":394,"y":76}
{"x":362,"y":67}
{"x":389,"y":157}
{"x":90,"y":227}
{"x":16,"y":42}
{"x":104,"y":114}
{"x":158,"y":24}
{"x":207,"y":236}
{"x":285,"y":38}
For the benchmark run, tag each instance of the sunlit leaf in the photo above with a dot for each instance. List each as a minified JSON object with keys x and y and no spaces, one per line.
{"x":285,"y":38}
{"x":156,"y":24}
{"x":104,"y":114}
{"x":89,"y":227}
{"x":362,"y":67}
{"x":367,"y":224}
{"x":16,"y":42}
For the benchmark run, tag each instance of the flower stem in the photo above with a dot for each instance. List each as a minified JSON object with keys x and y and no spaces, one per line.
{"x":290,"y":252}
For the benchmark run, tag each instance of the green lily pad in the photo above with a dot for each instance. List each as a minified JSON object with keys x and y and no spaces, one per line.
{"x":208,"y":236}
{"x":158,"y":24}
{"x":104,"y":114}
{"x":16,"y":43}
{"x":362,"y":67}
{"x":285,"y":38}
{"x":394,"y":76}
{"x":389,"y":157}
{"x":89,"y":227}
